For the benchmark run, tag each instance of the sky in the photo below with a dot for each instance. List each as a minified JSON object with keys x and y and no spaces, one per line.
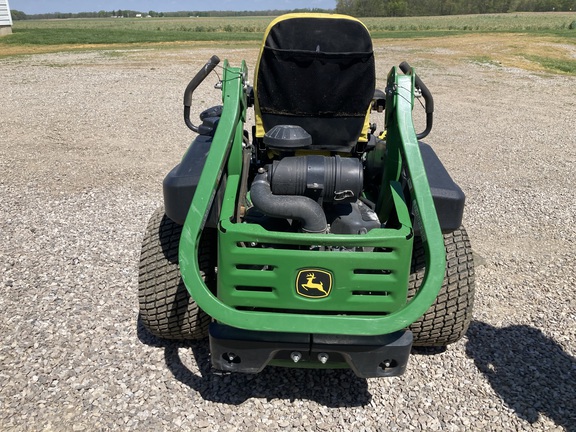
{"x":74,"y":6}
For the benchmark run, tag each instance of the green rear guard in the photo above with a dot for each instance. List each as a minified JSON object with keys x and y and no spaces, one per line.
{"x":258,"y":269}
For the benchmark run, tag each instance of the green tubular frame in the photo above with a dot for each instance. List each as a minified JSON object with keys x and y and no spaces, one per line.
{"x":225,"y":157}
{"x":267,"y":275}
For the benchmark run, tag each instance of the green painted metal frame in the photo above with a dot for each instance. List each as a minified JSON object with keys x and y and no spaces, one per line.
{"x":225,"y":156}
{"x":267,"y":275}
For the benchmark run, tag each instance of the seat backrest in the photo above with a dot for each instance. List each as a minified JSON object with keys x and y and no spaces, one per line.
{"x":316,"y":71}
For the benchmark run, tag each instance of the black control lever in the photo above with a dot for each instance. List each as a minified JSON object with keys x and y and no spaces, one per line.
{"x":194,"y":83}
{"x":428,"y":100}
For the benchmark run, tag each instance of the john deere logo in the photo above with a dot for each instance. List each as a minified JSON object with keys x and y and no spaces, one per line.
{"x":313,"y":283}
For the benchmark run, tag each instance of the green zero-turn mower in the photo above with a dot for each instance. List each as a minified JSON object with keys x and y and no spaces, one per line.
{"x":312,"y":240}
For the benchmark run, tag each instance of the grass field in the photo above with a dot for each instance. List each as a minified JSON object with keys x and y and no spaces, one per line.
{"x":58,"y":35}
{"x":145,"y":30}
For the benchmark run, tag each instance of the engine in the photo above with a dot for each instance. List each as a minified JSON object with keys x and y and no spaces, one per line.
{"x":314,"y":194}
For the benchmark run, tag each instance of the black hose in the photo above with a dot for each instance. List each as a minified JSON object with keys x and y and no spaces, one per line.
{"x":303,"y":209}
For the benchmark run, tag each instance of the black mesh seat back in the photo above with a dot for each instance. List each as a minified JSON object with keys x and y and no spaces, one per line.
{"x":316,"y":71}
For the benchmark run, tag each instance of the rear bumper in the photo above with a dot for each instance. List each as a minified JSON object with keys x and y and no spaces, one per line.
{"x":237,"y":350}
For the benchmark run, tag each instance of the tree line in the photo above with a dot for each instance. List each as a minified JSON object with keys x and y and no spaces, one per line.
{"x":359,"y":8}
{"x":19,"y":15}
{"x":368,"y":8}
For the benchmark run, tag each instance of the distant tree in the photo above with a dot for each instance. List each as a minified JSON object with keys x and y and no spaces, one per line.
{"x":345,"y":6}
{"x":396,"y":8}
{"x":18,"y":15}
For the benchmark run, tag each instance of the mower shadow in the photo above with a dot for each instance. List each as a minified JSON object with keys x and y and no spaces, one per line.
{"x":331,"y":388}
{"x":530,"y":371}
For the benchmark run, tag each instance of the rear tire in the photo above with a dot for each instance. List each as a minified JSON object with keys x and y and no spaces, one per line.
{"x":166,"y":308}
{"x":447,"y":320}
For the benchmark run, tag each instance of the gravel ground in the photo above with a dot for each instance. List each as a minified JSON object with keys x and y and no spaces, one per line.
{"x":86,"y":139}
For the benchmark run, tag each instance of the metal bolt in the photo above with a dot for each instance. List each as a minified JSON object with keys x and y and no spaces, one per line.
{"x":386,"y":364}
{"x":323,"y":357}
{"x":296,"y":356}
{"x":231,"y":357}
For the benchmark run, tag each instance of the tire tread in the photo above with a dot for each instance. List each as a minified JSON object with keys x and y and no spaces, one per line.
{"x":166,"y":308}
{"x":447,"y":320}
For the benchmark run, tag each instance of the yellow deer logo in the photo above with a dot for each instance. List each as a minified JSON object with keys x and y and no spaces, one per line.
{"x":313,"y":285}
{"x":318,"y":283}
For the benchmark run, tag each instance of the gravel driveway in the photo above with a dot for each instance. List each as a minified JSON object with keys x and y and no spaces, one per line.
{"x":85,"y":141}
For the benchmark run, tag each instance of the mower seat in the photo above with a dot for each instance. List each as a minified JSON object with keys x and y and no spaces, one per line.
{"x":317,"y":72}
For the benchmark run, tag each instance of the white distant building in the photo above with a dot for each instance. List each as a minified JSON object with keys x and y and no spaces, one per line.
{"x":5,"y":18}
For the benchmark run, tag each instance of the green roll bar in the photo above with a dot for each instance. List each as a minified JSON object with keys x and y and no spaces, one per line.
{"x":226,"y":155}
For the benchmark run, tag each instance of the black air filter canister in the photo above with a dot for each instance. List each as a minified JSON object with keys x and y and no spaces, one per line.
{"x":334,"y":179}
